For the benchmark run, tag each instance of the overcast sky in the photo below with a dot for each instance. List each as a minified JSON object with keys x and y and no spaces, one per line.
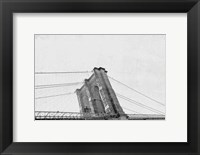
{"x":135,"y":60}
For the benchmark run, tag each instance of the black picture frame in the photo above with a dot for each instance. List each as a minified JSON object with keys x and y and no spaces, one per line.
{"x":8,"y":7}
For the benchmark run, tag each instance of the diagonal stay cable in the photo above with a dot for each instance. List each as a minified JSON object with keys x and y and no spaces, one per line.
{"x":57,"y":85}
{"x":137,"y":91}
{"x":139,"y":104}
{"x":54,"y":95}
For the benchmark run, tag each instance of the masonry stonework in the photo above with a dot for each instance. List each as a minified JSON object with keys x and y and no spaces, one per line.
{"x":97,"y":96}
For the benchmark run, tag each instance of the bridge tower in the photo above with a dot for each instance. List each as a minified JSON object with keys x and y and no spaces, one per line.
{"x":97,"y":96}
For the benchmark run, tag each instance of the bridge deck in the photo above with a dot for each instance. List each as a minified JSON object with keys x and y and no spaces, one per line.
{"x":47,"y":115}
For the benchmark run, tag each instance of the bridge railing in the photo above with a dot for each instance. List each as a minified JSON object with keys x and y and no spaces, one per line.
{"x":53,"y":115}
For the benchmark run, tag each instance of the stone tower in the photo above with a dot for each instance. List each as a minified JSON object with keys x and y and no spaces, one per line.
{"x":97,"y":95}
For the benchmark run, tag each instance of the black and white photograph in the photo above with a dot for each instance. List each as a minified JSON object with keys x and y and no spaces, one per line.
{"x":100,"y":77}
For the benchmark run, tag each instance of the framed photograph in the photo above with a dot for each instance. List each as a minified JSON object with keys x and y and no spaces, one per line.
{"x":99,"y":77}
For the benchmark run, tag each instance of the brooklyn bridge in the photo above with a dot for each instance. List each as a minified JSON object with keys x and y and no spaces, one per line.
{"x":98,"y":100}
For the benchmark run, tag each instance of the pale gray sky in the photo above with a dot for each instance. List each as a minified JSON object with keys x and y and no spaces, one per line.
{"x":136,"y":60}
